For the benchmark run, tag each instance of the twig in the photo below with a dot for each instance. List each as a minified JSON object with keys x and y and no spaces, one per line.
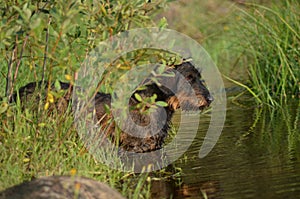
{"x":19,"y":62}
{"x":9,"y":71}
{"x":46,"y":51}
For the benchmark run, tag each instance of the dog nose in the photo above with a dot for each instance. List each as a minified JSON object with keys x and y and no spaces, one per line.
{"x":209,"y":99}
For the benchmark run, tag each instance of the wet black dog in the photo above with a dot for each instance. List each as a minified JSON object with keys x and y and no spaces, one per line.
{"x":147,"y":132}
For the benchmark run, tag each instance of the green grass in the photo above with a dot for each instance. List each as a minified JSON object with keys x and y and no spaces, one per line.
{"x":271,"y":37}
{"x":37,"y":144}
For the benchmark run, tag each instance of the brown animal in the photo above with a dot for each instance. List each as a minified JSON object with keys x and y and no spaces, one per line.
{"x":188,"y":93}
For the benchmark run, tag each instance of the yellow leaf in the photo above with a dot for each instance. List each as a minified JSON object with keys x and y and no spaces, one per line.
{"x":42,"y":124}
{"x":25,"y":160}
{"x":68,"y":77}
{"x":50,"y":98}
{"x":73,"y":172}
{"x":103,"y":10}
{"x":46,"y":106}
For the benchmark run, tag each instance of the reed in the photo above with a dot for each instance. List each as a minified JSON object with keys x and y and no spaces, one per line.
{"x":271,"y":39}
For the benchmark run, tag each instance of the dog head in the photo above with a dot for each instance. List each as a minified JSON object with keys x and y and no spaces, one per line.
{"x":190,"y":90}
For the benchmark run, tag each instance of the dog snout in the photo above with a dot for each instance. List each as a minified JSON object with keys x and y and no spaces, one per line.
{"x":209,"y":99}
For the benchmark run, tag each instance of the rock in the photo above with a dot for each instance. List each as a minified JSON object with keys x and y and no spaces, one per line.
{"x":61,"y":187}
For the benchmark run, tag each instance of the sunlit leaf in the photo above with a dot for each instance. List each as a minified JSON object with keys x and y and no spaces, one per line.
{"x":138,"y":97}
{"x":50,"y":98}
{"x":3,"y":107}
{"x":46,"y":107}
{"x":68,"y":77}
{"x":161,"y":103}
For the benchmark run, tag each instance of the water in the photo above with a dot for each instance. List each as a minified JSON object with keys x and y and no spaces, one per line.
{"x":257,"y":156}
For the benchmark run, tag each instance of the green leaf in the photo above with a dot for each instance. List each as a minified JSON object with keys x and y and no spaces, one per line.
{"x":66,"y":23}
{"x":3,"y":107}
{"x":22,"y":14}
{"x":161,"y":69}
{"x":107,"y":108}
{"x":161,"y":103}
{"x":57,"y":85}
{"x":141,"y":88}
{"x":27,"y":13}
{"x":35,"y":23}
{"x":138,"y":97}
{"x":153,"y":98}
{"x":163,"y":23}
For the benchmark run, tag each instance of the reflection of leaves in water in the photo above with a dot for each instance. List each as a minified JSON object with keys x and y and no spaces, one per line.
{"x":276,"y":129}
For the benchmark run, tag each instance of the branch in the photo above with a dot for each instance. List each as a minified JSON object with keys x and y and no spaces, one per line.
{"x":46,"y":51}
{"x":9,"y":80}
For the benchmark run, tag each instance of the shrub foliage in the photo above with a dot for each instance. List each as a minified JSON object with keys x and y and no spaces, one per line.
{"x":42,"y":40}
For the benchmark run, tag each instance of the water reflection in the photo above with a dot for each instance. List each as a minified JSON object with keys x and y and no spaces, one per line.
{"x":257,"y":156}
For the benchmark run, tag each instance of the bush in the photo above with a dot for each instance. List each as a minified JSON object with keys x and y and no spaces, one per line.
{"x":50,"y":39}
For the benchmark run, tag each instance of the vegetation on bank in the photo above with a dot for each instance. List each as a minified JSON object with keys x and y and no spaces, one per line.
{"x":49,"y":40}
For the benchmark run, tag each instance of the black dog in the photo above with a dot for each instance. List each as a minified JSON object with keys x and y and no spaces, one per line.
{"x":188,"y":93}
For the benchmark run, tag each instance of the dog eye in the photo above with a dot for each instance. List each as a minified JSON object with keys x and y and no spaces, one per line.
{"x":190,"y":77}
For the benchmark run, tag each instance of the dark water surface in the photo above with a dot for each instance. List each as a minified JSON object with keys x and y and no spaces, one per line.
{"x":257,"y":156}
